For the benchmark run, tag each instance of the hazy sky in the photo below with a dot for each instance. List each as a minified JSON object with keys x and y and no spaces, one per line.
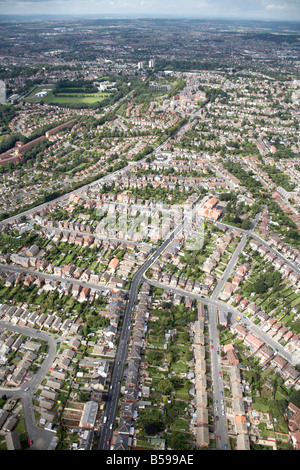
{"x":235,"y":9}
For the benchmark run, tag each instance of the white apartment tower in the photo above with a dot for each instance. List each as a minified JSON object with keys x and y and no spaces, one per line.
{"x":2,"y":92}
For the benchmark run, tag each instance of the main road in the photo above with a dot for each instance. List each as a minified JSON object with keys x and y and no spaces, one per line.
{"x":220,"y":425}
{"x":120,"y":359}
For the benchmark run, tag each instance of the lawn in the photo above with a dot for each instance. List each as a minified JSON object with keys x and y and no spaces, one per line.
{"x":179,"y":366}
{"x":87,"y":98}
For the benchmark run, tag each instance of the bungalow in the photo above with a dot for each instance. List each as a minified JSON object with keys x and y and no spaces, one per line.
{"x":63,"y":362}
{"x":32,"y":319}
{"x":17,"y":376}
{"x":48,"y":322}
{"x":57,"y":376}
{"x":56,"y":324}
{"x":49,"y":394}
{"x":46,"y":403}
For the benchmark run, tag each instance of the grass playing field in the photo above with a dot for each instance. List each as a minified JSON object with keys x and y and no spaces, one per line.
{"x":66,"y":98}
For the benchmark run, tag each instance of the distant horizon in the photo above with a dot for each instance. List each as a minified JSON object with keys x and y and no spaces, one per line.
{"x":232,"y":10}
{"x":146,"y":16}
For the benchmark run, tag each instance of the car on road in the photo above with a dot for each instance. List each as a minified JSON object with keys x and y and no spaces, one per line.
{"x":26,"y":389}
{"x":30,"y":442}
{"x":108,"y":442}
{"x":219,"y":438}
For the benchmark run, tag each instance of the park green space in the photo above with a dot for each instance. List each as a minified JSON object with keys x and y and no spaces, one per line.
{"x":66,"y":98}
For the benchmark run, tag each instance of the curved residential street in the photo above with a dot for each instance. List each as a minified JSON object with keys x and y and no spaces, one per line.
{"x":41,"y":438}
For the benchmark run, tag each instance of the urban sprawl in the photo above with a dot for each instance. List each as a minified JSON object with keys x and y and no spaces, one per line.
{"x":149,"y":235}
